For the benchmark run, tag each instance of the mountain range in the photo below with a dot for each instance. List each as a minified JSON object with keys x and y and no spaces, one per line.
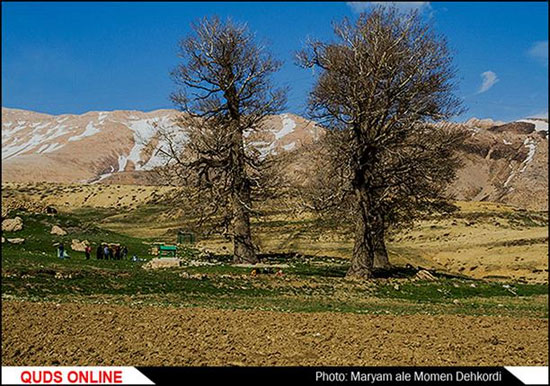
{"x":503,"y":162}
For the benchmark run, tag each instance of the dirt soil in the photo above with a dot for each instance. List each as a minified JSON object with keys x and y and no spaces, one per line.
{"x":88,"y":334}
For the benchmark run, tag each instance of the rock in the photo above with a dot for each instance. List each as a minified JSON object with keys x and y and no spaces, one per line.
{"x":425,"y":275}
{"x":16,"y":241}
{"x":61,"y":276}
{"x":198,"y":276}
{"x":56,"y":230}
{"x":261,"y":265}
{"x":12,"y":224}
{"x":3,"y":240}
{"x":165,"y":262}
{"x":79,"y":246}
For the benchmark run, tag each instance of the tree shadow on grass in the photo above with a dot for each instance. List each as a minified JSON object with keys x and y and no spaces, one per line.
{"x":409,"y":271}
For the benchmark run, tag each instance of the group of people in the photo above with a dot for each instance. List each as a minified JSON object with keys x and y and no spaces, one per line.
{"x":104,"y":252}
{"x":108,"y":252}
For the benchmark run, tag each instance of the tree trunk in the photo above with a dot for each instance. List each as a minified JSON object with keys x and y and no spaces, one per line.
{"x":369,"y":250}
{"x":243,"y":248}
{"x":381,"y":260}
{"x":362,"y":260}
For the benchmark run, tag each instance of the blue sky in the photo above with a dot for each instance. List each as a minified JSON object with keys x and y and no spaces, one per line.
{"x":77,"y":57}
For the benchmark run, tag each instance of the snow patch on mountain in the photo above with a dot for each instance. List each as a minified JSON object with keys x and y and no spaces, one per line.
{"x":288,"y":127}
{"x":52,"y":147}
{"x":122,"y":162}
{"x":20,"y":145}
{"x":103,"y":176}
{"x":101,"y":117}
{"x":532,"y":146}
{"x":290,"y":146}
{"x":88,"y":132}
{"x":144,"y":130}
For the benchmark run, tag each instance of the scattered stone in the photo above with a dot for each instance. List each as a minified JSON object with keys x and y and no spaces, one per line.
{"x":62,"y":276}
{"x":198,"y":263}
{"x":165,"y":262}
{"x":16,"y":241}
{"x":197,"y":276}
{"x":56,"y":230}
{"x":425,"y":275}
{"x":12,"y":224}
{"x":261,"y":265}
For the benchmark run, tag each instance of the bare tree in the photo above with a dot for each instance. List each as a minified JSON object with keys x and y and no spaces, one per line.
{"x":382,"y":85}
{"x":225,"y":94}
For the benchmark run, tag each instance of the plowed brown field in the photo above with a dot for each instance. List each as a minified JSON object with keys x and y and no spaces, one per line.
{"x":85,"y":334}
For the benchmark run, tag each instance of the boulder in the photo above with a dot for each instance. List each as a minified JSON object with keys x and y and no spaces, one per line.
{"x":425,"y":275}
{"x":56,"y":230}
{"x":12,"y":224}
{"x":79,"y":246}
{"x":165,"y":262}
{"x":16,"y":241}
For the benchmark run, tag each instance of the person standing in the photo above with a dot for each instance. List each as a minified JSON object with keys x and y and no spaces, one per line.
{"x":106,"y":252}
{"x":87,"y":252}
{"x":117,"y":252}
{"x":124,"y":252}
{"x":99,"y":252}
{"x":61,"y":250}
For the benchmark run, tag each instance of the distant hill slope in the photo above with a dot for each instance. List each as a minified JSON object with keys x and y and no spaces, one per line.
{"x":503,"y":162}
{"x":99,"y":146}
{"x":506,"y":163}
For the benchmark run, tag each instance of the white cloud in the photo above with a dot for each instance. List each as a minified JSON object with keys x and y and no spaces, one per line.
{"x":539,"y":51}
{"x":489,"y":80}
{"x":360,"y":6}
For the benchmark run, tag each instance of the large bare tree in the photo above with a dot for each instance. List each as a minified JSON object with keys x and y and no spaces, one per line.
{"x":225,"y":93}
{"x":383,"y":84}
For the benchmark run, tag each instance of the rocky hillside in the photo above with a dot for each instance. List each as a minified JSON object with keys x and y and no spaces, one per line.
{"x":503,"y":162}
{"x":112,"y":146}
